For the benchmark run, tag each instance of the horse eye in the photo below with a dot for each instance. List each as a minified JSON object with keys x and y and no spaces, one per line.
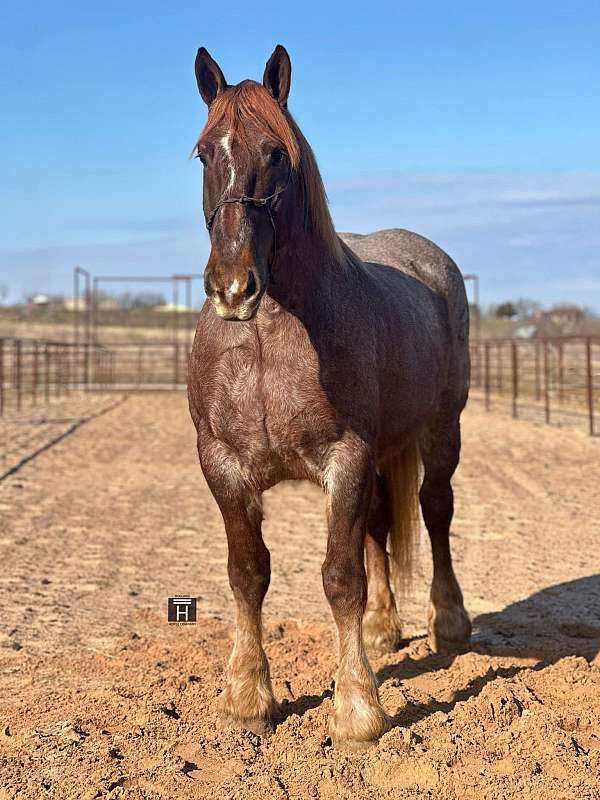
{"x":202,"y":158}
{"x":277,"y":157}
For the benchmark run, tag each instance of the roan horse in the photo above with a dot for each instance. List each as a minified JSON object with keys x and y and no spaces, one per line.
{"x":310,"y":363}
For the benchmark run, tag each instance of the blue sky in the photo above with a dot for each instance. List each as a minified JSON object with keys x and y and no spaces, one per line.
{"x":475,"y":124}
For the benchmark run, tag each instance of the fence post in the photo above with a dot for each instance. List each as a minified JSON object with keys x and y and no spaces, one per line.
{"x":500,"y":367}
{"x":474,"y":360}
{"x":590,"y":382}
{"x":515,"y":378}
{"x":538,"y":390}
{"x":67,"y":363}
{"x":86,"y":367}
{"x":57,"y":386}
{"x":34,"y":381}
{"x":560,"y":372}
{"x":47,"y":374}
{"x":487,"y":375}
{"x":18,"y":373}
{"x":176,"y":372}
{"x":546,"y":384}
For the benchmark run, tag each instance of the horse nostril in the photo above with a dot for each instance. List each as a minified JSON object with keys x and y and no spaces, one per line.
{"x":209,"y":287}
{"x":251,"y":285}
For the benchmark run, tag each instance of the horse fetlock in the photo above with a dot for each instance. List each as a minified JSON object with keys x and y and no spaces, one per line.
{"x":247,"y":700}
{"x":382,"y":629}
{"x":358,"y":718}
{"x":449,"y":628}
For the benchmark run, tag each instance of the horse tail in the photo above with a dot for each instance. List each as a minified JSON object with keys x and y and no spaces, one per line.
{"x":401,"y":475}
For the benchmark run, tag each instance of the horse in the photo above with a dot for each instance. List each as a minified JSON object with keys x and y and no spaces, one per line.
{"x":312,"y":362}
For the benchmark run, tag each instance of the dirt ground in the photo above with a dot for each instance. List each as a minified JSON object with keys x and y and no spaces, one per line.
{"x":101,"y":698}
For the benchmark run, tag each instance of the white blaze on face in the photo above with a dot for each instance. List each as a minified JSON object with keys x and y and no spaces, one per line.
{"x":226,"y":145}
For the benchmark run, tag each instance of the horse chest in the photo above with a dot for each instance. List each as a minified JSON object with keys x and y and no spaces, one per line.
{"x":298,"y":420}
{"x":262,"y":398}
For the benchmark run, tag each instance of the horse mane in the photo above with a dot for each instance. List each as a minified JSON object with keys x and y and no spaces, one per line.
{"x":249,"y":102}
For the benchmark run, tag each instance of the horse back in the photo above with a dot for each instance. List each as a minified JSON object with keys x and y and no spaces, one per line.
{"x":422,"y":259}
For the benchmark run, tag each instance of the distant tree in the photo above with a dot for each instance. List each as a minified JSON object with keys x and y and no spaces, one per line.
{"x":148,"y":300}
{"x":506,"y":310}
{"x":141,"y":300}
{"x":567,"y":309}
{"x":3,"y":292}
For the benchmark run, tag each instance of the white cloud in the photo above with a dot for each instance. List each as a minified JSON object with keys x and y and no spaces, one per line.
{"x":524,"y":234}
{"x":534,"y":235}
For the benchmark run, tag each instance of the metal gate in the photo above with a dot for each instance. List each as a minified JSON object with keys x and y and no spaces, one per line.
{"x":144,"y":357}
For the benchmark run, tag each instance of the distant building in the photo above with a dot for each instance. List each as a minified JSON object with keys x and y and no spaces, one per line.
{"x":75,"y":304}
{"x":525,"y":332}
{"x":172,"y":308}
{"x":560,"y":321}
{"x":108,"y":304}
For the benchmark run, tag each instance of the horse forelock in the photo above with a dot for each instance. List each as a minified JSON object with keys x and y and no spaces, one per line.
{"x":250,"y":102}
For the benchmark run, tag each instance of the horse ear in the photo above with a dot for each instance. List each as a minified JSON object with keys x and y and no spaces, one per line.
{"x":211,"y":81}
{"x":278,"y":75}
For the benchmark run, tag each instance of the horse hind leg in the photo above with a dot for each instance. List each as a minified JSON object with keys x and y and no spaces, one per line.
{"x":447,"y":621}
{"x":382,"y":629}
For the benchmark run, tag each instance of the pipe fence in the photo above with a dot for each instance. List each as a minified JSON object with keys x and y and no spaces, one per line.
{"x":34,"y":371}
{"x":149,"y":364}
{"x":555,"y":377}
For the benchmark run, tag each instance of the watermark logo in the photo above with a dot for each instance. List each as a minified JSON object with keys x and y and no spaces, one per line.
{"x":181,"y":610}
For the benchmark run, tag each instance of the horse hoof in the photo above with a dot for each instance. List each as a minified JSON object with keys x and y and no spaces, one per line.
{"x":383,"y":642}
{"x":449,"y":630}
{"x":359,"y":734}
{"x":445,"y":647}
{"x":382,"y":631}
{"x":258,"y":725}
{"x":255,"y":713}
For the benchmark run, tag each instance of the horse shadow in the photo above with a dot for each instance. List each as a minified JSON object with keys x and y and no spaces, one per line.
{"x":558,"y":621}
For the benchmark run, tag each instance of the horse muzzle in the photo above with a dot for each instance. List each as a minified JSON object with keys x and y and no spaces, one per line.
{"x":236,"y":299}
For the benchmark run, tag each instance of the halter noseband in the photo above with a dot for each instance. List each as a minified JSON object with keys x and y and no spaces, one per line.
{"x":255,"y":201}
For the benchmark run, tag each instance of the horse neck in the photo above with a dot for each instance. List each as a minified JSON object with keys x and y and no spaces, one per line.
{"x":304,"y":268}
{"x":307,"y":263}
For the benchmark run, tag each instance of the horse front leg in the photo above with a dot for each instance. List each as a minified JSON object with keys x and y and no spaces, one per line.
{"x":358,"y":716}
{"x":247,"y":700}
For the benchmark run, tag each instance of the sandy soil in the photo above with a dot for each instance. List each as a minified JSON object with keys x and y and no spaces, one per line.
{"x":26,"y":433}
{"x":99,"y":697}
